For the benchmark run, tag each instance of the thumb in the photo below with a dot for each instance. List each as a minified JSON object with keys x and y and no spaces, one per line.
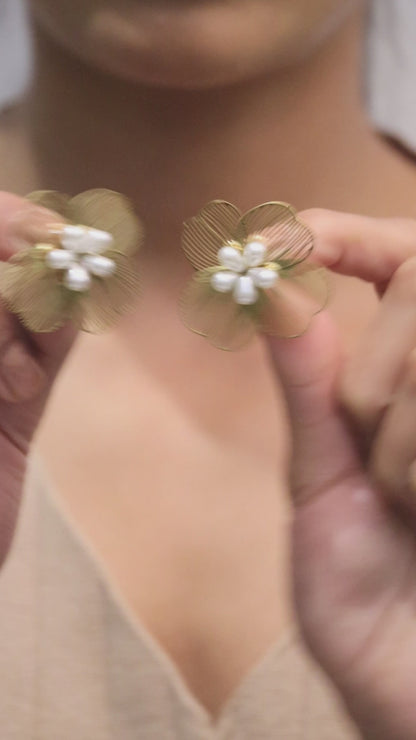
{"x":324,"y":453}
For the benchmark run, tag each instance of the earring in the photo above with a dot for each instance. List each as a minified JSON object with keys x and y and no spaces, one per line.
{"x":79,"y":268}
{"x":252,"y":274}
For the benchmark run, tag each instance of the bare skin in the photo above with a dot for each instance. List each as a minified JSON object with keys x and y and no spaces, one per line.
{"x":191,"y":462}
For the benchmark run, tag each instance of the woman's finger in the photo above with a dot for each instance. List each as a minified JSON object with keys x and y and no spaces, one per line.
{"x":373,"y":373}
{"x":394,"y":448}
{"x":19,"y":218}
{"x":324,"y":454}
{"x":28,"y":366}
{"x":382,"y":251}
{"x":368,"y":248}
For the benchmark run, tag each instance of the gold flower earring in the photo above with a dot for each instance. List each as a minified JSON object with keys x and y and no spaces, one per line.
{"x":78,"y":269}
{"x":252,"y":274}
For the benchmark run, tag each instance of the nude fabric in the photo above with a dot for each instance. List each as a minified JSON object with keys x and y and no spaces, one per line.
{"x":74,"y":665}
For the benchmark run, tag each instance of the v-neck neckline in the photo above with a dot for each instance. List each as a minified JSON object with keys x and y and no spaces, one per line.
{"x":168,"y":669}
{"x":171,"y":673}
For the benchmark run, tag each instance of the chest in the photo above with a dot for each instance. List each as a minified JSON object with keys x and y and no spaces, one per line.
{"x":176,"y":475}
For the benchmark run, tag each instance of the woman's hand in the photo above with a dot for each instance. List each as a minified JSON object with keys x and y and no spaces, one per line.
{"x":28,"y":366}
{"x":354,"y":481}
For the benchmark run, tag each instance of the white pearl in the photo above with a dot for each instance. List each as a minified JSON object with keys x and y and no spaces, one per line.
{"x":98,"y":265}
{"x":84,"y":240}
{"x":73,"y":230}
{"x":71,"y":236}
{"x":223,"y":281}
{"x":59,"y":259}
{"x":232,"y":258}
{"x":77,"y":278}
{"x":254,"y":253}
{"x":100,"y":240}
{"x":245,"y":292}
{"x":263,"y":277}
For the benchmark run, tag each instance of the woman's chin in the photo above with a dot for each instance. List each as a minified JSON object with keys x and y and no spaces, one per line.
{"x":203,"y":47}
{"x":189,"y":69}
{"x":192,"y":44}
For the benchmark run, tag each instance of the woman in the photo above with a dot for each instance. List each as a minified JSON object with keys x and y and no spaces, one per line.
{"x":139,"y":596}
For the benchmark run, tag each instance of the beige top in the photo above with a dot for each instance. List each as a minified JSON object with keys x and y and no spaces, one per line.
{"x":75,"y":665}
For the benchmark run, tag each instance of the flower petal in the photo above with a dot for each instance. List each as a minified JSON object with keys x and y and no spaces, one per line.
{"x":57,"y":202}
{"x":287,"y":309}
{"x":204,"y":235}
{"x":216,"y":315}
{"x":22,"y":257}
{"x":110,"y":298}
{"x":109,"y":211}
{"x":222,"y":217}
{"x":285,"y":235}
{"x":31,"y":291}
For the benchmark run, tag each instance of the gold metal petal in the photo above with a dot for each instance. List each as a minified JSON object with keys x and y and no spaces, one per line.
{"x":286,"y":236}
{"x":58,"y":202}
{"x":286,"y":310}
{"x":31,"y":291}
{"x":24,"y":258}
{"x":215,"y":315}
{"x":35,"y":294}
{"x":109,"y":211}
{"x":222,"y":217}
{"x":108,"y":299}
{"x":203,"y":235}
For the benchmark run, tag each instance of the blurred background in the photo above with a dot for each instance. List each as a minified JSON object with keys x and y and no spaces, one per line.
{"x":15,"y":53}
{"x":390,"y":71}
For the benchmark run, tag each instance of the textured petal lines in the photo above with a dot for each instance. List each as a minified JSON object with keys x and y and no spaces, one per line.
{"x":287,"y":309}
{"x":108,"y":298}
{"x":33,"y":294}
{"x":284,"y":234}
{"x":222,"y":217}
{"x":216,"y":315}
{"x":57,"y":202}
{"x":109,"y":211}
{"x":200,"y":243}
{"x":204,"y":235}
{"x":36,"y":284}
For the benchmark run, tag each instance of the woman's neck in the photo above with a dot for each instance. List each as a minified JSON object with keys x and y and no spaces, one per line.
{"x":284,"y":137}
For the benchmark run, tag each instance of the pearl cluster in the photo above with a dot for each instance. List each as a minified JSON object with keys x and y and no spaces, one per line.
{"x":245,"y":272}
{"x":80,"y":256}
